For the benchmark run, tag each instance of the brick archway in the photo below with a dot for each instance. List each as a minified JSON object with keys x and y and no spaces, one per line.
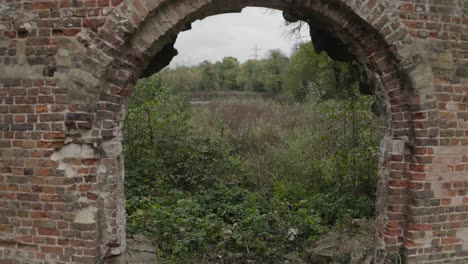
{"x":67,"y":68}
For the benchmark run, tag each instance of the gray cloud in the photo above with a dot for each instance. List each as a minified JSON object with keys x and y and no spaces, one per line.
{"x":234,"y":35}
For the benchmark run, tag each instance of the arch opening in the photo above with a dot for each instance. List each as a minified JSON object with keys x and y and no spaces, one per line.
{"x":67,"y":69}
{"x":188,"y":72}
{"x":144,"y":44}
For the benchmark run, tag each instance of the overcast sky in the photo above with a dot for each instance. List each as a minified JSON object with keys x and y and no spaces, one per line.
{"x":234,"y":35}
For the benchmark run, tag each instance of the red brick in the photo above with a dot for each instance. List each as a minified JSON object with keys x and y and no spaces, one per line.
{"x":49,"y":144}
{"x":27,"y":197}
{"x":54,"y":250}
{"x":419,"y":227}
{"x":44,"y":172}
{"x":93,"y":22}
{"x":54,"y":135}
{"x":38,"y":214}
{"x":48,"y":232}
{"x":40,"y":5}
{"x":450,"y":240}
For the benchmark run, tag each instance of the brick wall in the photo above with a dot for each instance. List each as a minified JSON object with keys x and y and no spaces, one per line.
{"x":67,"y":68}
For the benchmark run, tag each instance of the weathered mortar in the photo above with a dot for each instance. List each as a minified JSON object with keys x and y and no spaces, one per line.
{"x":67,"y":68}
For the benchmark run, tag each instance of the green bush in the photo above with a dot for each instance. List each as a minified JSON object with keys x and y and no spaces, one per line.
{"x":223,"y":221}
{"x":160,"y":149}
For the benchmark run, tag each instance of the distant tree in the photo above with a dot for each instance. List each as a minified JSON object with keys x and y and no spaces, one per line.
{"x":305,"y":67}
{"x":182,"y":78}
{"x":228,"y":70}
{"x":209,"y":78}
{"x":251,"y":76}
{"x":275,"y":65}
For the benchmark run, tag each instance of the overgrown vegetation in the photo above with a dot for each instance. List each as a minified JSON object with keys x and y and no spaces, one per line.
{"x":247,"y":180}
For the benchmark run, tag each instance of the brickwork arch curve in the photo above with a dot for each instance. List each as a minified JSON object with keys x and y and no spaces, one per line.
{"x":67,"y":68}
{"x":136,"y":30}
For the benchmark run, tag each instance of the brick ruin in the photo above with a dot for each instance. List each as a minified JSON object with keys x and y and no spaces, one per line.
{"x":67,"y":68}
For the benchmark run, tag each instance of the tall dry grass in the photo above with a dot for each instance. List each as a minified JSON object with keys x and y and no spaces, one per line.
{"x":280,"y":141}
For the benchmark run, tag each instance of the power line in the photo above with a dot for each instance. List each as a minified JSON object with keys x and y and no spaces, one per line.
{"x":256,"y":51}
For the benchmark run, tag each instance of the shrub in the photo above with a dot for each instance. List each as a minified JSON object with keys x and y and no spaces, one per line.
{"x":222,"y":222}
{"x":160,"y":149}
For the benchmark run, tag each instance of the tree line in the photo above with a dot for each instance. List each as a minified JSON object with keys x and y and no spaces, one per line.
{"x":275,"y":74}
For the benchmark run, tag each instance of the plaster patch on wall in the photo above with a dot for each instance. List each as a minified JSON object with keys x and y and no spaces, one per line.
{"x":7,"y":12}
{"x":24,"y":71}
{"x":112,"y":148}
{"x":72,"y":151}
{"x":394,"y":146}
{"x":63,"y":57}
{"x":421,"y":78}
{"x":4,"y":42}
{"x":463,"y":233}
{"x":86,"y":216}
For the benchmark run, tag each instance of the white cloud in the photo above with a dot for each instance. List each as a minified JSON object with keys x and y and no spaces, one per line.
{"x":234,"y":35}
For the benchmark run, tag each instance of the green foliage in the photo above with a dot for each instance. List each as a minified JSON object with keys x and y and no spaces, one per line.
{"x":275,"y":66}
{"x":275,"y":74}
{"x":223,"y":221}
{"x":306,"y":66}
{"x":186,"y":79}
{"x":251,"y":75}
{"x":209,"y":78}
{"x":228,"y":70}
{"x":249,"y":181}
{"x":264,"y":75}
{"x":160,"y":149}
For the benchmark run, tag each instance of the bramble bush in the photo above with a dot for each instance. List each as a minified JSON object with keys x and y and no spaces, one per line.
{"x":161,"y":151}
{"x":245,"y":181}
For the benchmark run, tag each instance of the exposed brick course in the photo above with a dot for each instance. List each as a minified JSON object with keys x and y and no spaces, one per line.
{"x":67,"y":68}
